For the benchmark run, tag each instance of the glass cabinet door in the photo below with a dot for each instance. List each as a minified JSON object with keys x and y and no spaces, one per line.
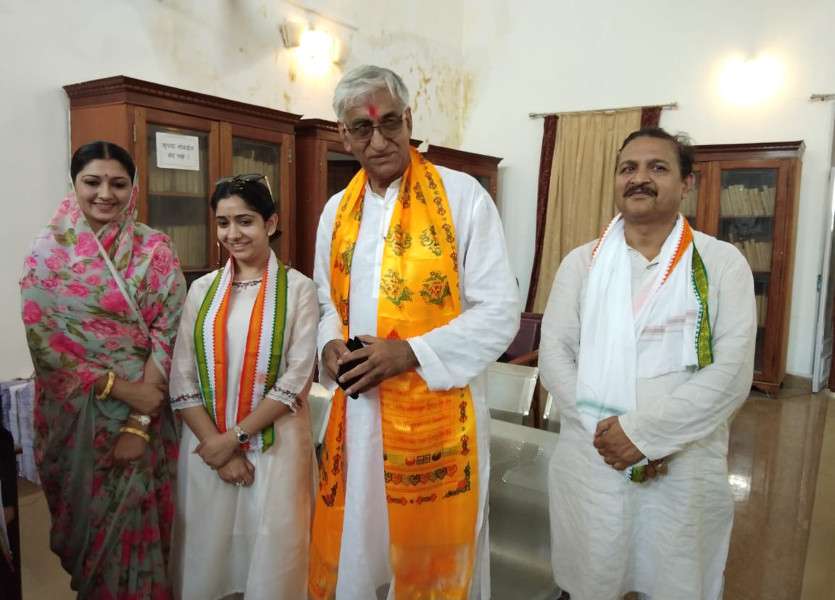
{"x":264,"y":157}
{"x":178,"y":199}
{"x":341,"y":169}
{"x":247,"y":149}
{"x":256,"y":156}
{"x":690,"y":204}
{"x":746,"y":219}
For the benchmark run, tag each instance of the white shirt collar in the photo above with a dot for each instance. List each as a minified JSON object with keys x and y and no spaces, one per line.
{"x":391,"y":191}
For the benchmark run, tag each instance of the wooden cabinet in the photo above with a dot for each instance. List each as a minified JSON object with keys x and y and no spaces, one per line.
{"x":481,"y":166}
{"x":323,"y":168}
{"x":747,"y":194}
{"x":232,"y":138}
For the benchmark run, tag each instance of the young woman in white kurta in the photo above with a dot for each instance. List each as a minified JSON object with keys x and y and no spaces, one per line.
{"x":243,"y":527}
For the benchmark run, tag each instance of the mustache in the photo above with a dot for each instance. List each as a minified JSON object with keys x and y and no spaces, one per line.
{"x":640,"y":188}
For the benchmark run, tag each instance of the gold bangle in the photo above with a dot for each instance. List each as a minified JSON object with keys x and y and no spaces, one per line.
{"x":111,"y":377}
{"x":143,"y":434}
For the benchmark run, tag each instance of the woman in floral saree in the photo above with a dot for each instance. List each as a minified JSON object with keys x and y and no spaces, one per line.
{"x":102,"y":296}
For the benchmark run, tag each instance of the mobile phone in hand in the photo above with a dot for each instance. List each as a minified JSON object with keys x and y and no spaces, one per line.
{"x":353,"y":343}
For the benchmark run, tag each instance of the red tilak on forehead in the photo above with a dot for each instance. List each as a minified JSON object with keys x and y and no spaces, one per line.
{"x":372,"y":111}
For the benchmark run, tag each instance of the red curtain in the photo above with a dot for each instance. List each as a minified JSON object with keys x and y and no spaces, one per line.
{"x":650,"y":116}
{"x":546,"y":159}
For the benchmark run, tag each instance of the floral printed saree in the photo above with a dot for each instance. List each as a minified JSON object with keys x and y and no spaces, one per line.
{"x":95,"y":302}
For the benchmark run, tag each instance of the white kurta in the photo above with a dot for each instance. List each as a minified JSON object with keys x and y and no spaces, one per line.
{"x":669,"y":537}
{"x":250,"y":540}
{"x":454,"y":355}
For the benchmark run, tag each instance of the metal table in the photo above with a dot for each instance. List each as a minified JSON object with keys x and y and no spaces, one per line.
{"x":520,"y":533}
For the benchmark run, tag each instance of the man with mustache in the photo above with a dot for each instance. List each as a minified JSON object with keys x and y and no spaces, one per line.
{"x":648,"y":346}
{"x":411,"y":259}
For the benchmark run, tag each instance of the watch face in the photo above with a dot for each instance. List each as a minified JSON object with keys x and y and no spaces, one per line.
{"x":243,"y":437}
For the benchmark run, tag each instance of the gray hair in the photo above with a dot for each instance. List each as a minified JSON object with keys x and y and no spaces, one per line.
{"x":362,"y":81}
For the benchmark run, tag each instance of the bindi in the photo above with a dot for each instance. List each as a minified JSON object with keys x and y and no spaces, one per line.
{"x":373,"y":111}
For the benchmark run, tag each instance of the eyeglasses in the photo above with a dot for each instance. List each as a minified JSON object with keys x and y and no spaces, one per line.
{"x":239,"y":181}
{"x":388,"y":127}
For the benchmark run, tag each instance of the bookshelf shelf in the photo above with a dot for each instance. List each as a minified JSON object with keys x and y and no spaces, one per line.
{"x":747,"y":195}
{"x":745,"y":217}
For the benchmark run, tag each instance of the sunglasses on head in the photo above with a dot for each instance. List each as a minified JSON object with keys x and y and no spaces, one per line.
{"x":242,"y":178}
{"x":239,"y":181}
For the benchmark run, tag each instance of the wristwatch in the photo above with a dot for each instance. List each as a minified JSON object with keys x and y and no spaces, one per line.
{"x":143,"y":420}
{"x":243,"y":436}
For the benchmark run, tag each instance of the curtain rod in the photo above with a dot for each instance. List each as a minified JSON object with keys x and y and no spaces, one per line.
{"x":668,"y":105}
{"x":821,"y":97}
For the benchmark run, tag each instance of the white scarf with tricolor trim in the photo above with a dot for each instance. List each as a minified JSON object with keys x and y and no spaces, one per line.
{"x":662,"y":328}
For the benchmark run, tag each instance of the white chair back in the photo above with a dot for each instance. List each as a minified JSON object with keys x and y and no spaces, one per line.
{"x":510,"y":390}
{"x":551,"y":415}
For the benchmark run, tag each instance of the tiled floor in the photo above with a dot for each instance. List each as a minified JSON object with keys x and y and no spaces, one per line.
{"x":43,"y":577}
{"x":775,"y":450}
{"x":819,"y":571}
{"x":782,"y":469}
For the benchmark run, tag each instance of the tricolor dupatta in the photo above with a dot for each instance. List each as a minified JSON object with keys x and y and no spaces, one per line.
{"x":672,"y":305}
{"x":262,"y":355}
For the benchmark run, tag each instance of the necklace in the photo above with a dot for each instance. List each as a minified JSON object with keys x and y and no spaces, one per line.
{"x":240,"y":285}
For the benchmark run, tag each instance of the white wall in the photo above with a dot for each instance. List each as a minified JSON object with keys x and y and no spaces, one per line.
{"x":224,"y":47}
{"x":475,"y":68}
{"x":540,"y":56}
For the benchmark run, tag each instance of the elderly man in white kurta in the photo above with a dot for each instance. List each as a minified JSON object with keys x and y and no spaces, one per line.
{"x":648,"y":346}
{"x":411,"y":258}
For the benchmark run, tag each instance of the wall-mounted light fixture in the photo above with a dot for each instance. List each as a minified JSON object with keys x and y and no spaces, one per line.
{"x":746,"y":81}
{"x":316,"y":49}
{"x":291,"y":33}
